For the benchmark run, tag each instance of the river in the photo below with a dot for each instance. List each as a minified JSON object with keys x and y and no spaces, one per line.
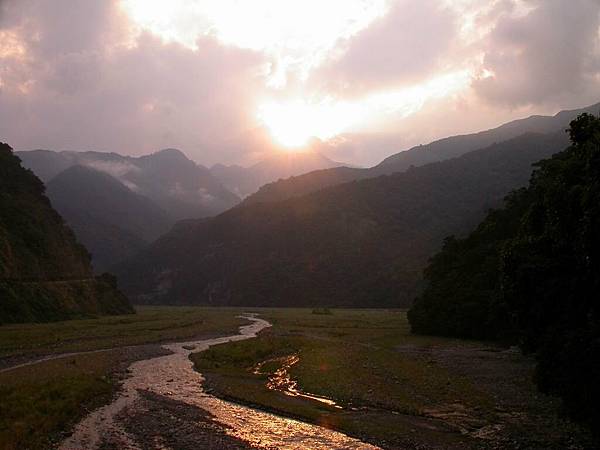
{"x":173,"y":376}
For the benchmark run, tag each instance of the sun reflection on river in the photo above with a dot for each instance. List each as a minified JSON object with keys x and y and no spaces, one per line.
{"x":173,"y":375}
{"x":282,"y":381}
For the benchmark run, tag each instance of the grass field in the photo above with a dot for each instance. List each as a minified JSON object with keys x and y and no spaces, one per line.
{"x":39,"y":402}
{"x":391,"y":388}
{"x":394,"y":389}
{"x":149,"y":325}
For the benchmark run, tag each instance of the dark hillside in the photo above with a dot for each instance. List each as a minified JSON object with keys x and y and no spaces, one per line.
{"x":44,"y":273}
{"x":112,"y":221}
{"x":530,"y":274}
{"x":362,"y":243}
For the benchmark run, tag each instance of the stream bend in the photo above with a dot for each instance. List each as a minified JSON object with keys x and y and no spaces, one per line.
{"x":174,"y":376}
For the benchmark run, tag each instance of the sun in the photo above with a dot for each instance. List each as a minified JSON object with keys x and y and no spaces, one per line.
{"x":293,"y":124}
{"x":287,"y":123}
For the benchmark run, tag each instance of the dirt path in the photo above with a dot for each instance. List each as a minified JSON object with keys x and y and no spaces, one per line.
{"x":162,"y":405}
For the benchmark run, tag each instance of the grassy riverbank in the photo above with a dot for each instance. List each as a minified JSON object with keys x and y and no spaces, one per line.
{"x":151,"y":324}
{"x":394,"y":389}
{"x":39,"y":402}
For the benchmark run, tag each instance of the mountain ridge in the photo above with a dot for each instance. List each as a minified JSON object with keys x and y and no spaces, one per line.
{"x":303,"y":251}
{"x":438,"y":150}
{"x":247,"y":180}
{"x":175,"y":183}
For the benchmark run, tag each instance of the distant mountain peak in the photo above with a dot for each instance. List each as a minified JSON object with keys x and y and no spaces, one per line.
{"x":170,"y":153}
{"x":273,"y":166}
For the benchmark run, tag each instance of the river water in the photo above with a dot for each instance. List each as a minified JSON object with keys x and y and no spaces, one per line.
{"x":173,"y":375}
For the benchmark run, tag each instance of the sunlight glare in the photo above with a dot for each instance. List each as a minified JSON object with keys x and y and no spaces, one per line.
{"x":298,"y":35}
{"x":294,"y":122}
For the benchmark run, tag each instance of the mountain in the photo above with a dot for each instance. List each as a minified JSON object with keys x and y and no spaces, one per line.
{"x":246,"y":180}
{"x":182,"y":188}
{"x":417,"y":156}
{"x":362,"y":243}
{"x":457,"y":145}
{"x":45,"y":163}
{"x":529,"y":274}
{"x":44,"y":273}
{"x":112,"y":221}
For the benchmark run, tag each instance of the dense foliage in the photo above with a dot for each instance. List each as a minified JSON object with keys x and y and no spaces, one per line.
{"x":531,"y":273}
{"x":32,"y":234}
{"x":44,"y":273}
{"x":359,"y":244}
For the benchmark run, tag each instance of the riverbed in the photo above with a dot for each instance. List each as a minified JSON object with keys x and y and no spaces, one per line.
{"x":163,"y":397}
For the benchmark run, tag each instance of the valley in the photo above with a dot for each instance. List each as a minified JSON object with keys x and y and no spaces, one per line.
{"x":363,"y":373}
{"x":299,"y":225}
{"x":52,"y":375}
{"x":130,"y":386}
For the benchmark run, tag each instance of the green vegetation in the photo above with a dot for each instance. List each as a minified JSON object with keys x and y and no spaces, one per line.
{"x":395,"y":389}
{"x":33,"y":237}
{"x":47,"y":301}
{"x":149,"y":325}
{"x":45,"y":274}
{"x":359,"y":244}
{"x":39,"y":402}
{"x":529,"y":274}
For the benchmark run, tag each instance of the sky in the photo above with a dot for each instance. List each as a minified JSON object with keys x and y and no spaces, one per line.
{"x":230,"y":81}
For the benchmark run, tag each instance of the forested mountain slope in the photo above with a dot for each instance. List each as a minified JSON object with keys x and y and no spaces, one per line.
{"x":439,"y":150}
{"x":357,"y":244}
{"x":112,"y":221}
{"x":530,"y":274}
{"x":44,"y":273}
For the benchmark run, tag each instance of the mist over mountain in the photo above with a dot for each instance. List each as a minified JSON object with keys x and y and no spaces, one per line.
{"x":118,"y":204}
{"x":362,"y":243}
{"x":247,"y":180}
{"x":112,"y":221}
{"x":45,"y":274}
{"x":439,"y":150}
{"x":182,"y":188}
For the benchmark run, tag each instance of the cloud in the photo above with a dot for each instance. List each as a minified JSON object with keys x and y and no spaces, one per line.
{"x":548,"y":55}
{"x":83,"y":77}
{"x":410,"y":43}
{"x":115,"y":169}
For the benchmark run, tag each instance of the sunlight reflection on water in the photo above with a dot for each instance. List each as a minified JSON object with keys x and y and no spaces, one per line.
{"x":174,"y":376}
{"x":282,"y":381}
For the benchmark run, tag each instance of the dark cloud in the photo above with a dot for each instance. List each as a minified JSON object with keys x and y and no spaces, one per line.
{"x":550,"y":54}
{"x":408,"y":44}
